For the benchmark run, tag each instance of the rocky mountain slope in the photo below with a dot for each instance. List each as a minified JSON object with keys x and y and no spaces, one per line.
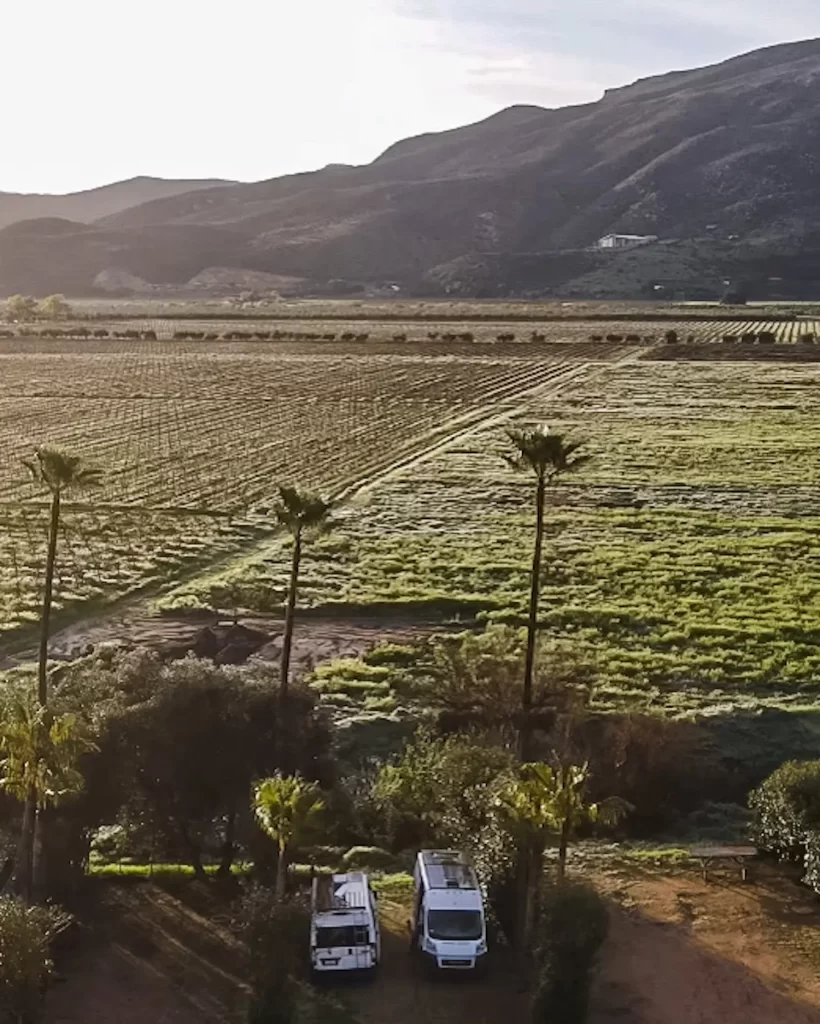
{"x":729,"y":150}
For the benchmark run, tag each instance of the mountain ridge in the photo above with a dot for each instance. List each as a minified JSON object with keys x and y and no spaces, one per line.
{"x":88,"y":205}
{"x":728,"y":151}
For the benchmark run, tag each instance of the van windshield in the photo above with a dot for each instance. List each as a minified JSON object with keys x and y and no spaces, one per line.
{"x":454,"y":925}
{"x":344,"y":935}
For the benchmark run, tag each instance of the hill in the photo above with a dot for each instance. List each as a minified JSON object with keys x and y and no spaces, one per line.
{"x":719,"y":154}
{"x":94,"y":203}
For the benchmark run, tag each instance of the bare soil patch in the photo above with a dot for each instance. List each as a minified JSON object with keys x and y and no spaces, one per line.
{"x":315,"y":640}
{"x":404,"y":993}
{"x":682,"y":951}
{"x":145,"y":956}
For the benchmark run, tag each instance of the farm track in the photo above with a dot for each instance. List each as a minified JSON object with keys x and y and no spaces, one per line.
{"x":453,"y":432}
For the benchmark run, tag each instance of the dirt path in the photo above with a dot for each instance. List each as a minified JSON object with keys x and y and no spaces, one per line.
{"x":403,"y":993}
{"x":685,"y":952}
{"x":147,"y":958}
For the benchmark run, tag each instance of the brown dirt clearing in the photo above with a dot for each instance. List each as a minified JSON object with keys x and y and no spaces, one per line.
{"x":682,"y":951}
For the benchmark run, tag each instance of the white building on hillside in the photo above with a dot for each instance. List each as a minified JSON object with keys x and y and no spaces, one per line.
{"x":624,"y":241}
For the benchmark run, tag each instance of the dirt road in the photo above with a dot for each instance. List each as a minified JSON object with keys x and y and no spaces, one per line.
{"x":680,"y":951}
{"x":403,"y":993}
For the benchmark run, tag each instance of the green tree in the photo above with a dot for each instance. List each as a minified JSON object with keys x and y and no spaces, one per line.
{"x":39,"y":768}
{"x":549,"y":456}
{"x":287,"y":808}
{"x":22,"y":308}
{"x":194,"y":746}
{"x":59,"y":473}
{"x":55,"y":307}
{"x":440,"y":790}
{"x":542,"y":802}
{"x":25,"y":966}
{"x":301,"y":515}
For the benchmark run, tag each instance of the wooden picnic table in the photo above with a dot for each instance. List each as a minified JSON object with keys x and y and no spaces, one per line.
{"x":711,"y":855}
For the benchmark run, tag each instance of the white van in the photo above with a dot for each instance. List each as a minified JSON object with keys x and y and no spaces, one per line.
{"x":449,"y":922}
{"x":344,"y":926}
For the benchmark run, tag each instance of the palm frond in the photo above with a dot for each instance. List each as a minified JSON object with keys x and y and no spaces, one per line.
{"x":61,"y":471}
{"x":286,"y":807}
{"x":547,"y":453}
{"x":300,"y":511}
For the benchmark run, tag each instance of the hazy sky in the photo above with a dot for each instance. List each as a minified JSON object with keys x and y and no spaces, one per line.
{"x":96,"y":90}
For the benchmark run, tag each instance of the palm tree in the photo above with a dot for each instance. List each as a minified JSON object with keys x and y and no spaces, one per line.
{"x":549,"y":456}
{"x":39,"y":768}
{"x":301,"y":514}
{"x":60,"y":473}
{"x":542,"y":802}
{"x":286,"y":808}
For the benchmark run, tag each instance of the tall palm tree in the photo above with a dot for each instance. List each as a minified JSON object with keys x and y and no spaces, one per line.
{"x":286,"y":808}
{"x":39,"y":768}
{"x":549,"y":456}
{"x":59,"y":473}
{"x":301,"y":514}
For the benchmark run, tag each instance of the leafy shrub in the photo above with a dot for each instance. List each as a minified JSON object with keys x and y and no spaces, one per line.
{"x":572,"y":928}
{"x":277,"y":935}
{"x":439,"y":791}
{"x":368,"y":858}
{"x":401,"y":655}
{"x":25,"y":933}
{"x":787,"y":815}
{"x":326,"y":856}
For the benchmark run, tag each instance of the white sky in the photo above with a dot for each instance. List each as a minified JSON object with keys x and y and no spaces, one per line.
{"x":99,"y":90}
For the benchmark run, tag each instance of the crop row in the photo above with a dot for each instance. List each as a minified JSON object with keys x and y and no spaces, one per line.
{"x":193,"y":447}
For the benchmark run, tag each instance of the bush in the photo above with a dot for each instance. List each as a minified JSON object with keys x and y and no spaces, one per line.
{"x":671,"y":337}
{"x":572,"y":928}
{"x":277,"y":936}
{"x":786,"y":810}
{"x":368,"y":858}
{"x":325,"y":856}
{"x":25,"y":933}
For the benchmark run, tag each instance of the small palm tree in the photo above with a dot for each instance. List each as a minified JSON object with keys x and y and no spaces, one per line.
{"x":60,"y":474}
{"x":39,"y":768}
{"x":549,"y":456}
{"x":301,"y":514}
{"x":542,"y":802}
{"x":286,"y":808}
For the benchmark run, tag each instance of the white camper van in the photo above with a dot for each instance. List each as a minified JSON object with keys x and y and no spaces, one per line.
{"x":450,"y":927}
{"x":344,"y":927}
